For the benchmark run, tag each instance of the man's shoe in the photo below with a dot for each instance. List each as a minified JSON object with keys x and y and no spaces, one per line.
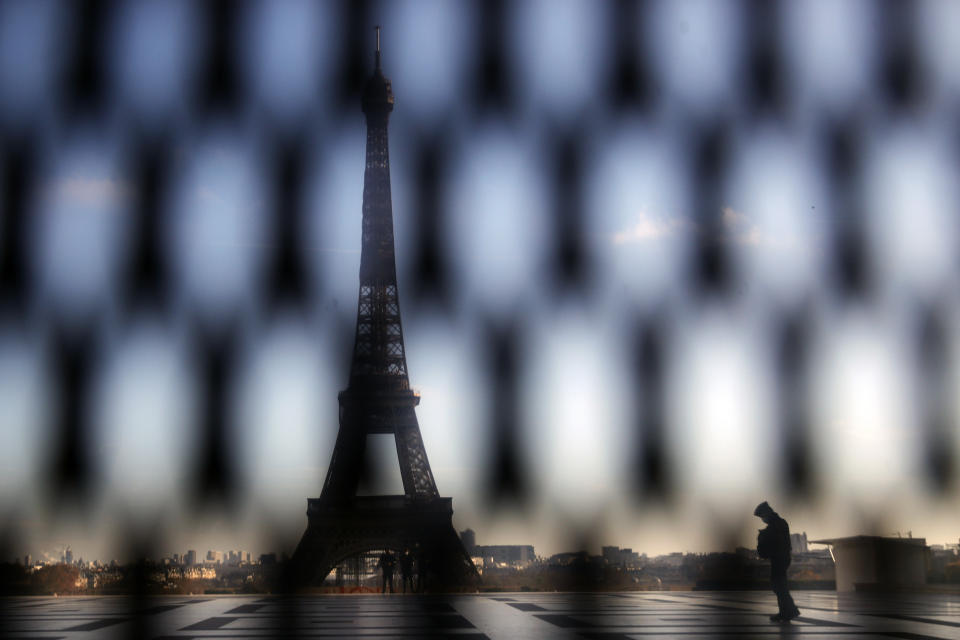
{"x":793,"y":614}
{"x":777,"y":618}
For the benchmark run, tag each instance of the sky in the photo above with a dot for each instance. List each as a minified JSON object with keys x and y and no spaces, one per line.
{"x":777,"y":216}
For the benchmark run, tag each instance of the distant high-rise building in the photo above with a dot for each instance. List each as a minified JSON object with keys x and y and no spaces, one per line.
{"x":469,"y":539}
{"x":248,"y":557}
{"x":27,"y":560}
{"x":68,"y":556}
{"x":620,"y":557}
{"x":798,"y":542}
{"x":190,"y":558}
{"x":176,"y":558}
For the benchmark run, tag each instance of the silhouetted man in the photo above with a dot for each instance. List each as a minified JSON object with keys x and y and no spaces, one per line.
{"x":773,"y":543}
{"x":406,"y":569}
{"x":386,"y":564}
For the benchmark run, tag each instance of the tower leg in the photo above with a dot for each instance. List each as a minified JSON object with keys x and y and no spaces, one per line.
{"x":337,"y":532}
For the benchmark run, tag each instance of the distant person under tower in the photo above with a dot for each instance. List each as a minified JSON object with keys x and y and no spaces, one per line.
{"x":387,"y":563}
{"x":406,"y":569}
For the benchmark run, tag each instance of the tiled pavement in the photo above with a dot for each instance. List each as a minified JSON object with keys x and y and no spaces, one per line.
{"x":609,"y":616}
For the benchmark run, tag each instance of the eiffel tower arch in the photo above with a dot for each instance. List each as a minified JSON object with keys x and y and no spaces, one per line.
{"x":378,"y":400}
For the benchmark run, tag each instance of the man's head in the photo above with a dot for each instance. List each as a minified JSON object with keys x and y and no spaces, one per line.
{"x":763,"y":511}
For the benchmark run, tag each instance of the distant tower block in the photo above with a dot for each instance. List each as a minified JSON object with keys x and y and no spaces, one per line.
{"x":378,"y":400}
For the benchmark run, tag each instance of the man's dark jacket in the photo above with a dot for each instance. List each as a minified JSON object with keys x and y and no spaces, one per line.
{"x":773,"y":542}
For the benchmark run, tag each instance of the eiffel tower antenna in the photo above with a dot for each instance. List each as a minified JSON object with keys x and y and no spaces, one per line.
{"x":378,"y":400}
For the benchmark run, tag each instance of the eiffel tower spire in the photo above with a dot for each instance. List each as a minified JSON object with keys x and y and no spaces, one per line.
{"x":378,"y":398}
{"x":379,"y":360}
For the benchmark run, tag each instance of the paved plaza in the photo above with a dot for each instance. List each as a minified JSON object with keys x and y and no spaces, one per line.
{"x":608,"y":616}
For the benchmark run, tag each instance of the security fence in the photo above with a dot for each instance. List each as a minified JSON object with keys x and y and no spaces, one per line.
{"x":666,"y":257}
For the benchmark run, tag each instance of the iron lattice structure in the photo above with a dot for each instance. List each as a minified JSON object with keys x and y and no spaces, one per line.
{"x":378,"y":400}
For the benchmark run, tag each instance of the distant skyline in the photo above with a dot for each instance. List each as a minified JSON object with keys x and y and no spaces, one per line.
{"x":54,"y":554}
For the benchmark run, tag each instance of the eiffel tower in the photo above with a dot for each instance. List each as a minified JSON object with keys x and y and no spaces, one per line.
{"x":378,"y":400}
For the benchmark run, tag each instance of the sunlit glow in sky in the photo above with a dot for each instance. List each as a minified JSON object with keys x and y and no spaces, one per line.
{"x":869,"y":440}
{"x":723,"y":438}
{"x":578,"y":412}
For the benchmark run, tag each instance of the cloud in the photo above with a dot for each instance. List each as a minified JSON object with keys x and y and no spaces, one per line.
{"x":738,"y":228}
{"x":98,"y":192}
{"x":732,"y":219}
{"x":735,"y":227}
{"x":649,"y":228}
